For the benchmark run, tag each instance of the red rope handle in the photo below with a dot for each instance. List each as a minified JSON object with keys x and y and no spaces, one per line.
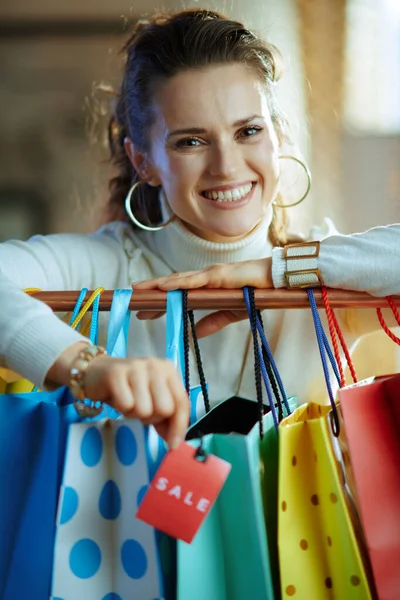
{"x":385,"y":328}
{"x":334,"y":329}
{"x":394,"y":309}
{"x":331,"y":323}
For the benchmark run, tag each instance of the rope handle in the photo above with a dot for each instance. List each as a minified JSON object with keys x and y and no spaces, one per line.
{"x":383,"y":324}
{"x":325,"y":356}
{"x":336,"y":332}
{"x":76,"y":319}
{"x":86,"y":307}
{"x":188,"y":319}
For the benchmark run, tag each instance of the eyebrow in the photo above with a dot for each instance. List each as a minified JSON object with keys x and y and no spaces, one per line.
{"x":198,"y":130}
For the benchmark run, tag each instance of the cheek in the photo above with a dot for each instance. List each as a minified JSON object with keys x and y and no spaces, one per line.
{"x":183,"y":173}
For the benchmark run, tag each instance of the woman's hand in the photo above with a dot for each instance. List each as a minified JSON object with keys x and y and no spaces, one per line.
{"x":256,"y":273}
{"x":148,"y":389}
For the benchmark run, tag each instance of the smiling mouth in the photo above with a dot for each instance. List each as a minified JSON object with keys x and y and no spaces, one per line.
{"x":232,"y":195}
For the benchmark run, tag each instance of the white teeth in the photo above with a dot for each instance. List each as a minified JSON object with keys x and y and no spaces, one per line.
{"x":230,"y":195}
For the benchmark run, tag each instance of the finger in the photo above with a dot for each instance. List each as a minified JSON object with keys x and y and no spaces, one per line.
{"x":217,"y":321}
{"x":152,"y":284}
{"x":140,"y":386}
{"x":122,"y":398}
{"x":148,"y":315}
{"x":177,"y":424}
{"x":163,"y":401}
{"x":174,"y":281}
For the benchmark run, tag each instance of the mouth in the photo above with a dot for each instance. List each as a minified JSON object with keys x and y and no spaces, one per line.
{"x":234,"y":197}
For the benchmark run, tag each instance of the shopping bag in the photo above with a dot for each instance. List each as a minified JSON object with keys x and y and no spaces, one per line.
{"x":33,"y":430}
{"x":229,"y":557}
{"x":101,"y":549}
{"x":371,"y":414}
{"x":320,"y":540}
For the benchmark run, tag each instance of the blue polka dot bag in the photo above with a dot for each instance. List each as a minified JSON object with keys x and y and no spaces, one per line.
{"x":102,"y":552}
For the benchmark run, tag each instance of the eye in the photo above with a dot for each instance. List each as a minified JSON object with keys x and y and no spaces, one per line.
{"x":188,"y":143}
{"x":250,"y":131}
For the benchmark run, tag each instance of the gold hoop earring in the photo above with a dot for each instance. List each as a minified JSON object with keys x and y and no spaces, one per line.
{"x":300,"y":162}
{"x":128,"y":209}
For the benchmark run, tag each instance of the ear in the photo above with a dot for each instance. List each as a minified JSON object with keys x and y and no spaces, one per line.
{"x":141,"y":165}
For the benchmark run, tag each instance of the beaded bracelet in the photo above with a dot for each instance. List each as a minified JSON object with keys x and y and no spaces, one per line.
{"x":77,"y":380}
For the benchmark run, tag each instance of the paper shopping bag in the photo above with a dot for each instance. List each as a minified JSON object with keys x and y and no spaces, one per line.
{"x":372,"y":418}
{"x":229,"y":558}
{"x":33,"y":429}
{"x":321,"y":552}
{"x":102,"y":550}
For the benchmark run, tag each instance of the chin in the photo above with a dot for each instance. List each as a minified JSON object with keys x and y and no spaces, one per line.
{"x":233,"y":232}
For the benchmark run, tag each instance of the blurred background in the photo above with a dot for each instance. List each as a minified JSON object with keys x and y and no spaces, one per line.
{"x":341,"y":92}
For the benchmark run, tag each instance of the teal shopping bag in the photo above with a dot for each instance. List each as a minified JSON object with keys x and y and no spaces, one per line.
{"x":229,"y":559}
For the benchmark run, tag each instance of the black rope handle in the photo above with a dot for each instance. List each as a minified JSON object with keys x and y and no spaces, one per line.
{"x":271,"y":374}
{"x":257,"y":362}
{"x":199,"y":362}
{"x":188,"y":317}
{"x":186,"y":340}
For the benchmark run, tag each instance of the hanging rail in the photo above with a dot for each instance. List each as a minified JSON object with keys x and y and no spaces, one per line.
{"x":208,"y":299}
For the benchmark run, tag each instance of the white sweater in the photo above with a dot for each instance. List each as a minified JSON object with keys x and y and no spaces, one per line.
{"x":32,"y":337}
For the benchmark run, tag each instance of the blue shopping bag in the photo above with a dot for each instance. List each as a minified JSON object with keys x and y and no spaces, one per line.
{"x":33,"y":433}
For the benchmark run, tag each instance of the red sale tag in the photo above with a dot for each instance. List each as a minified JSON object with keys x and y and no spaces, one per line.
{"x":183,"y":492}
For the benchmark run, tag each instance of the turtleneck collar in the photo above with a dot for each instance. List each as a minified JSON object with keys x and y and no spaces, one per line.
{"x":182,"y":250}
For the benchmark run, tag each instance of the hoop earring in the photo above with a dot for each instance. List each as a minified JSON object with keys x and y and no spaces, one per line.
{"x":300,"y":162}
{"x":128,"y":209}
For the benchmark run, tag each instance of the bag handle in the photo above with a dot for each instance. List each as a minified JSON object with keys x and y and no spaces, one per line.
{"x":259,"y":365}
{"x":335,"y":330}
{"x":188,"y":319}
{"x":118,"y":326}
{"x":382,"y":322}
{"x":322,"y":345}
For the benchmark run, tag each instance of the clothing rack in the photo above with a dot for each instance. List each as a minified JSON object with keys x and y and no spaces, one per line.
{"x":209,"y":299}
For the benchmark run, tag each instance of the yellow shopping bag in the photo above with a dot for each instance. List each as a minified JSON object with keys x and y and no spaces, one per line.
{"x":321,"y":549}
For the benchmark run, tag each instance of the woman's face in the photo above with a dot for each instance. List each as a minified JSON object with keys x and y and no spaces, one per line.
{"x":214,"y":150}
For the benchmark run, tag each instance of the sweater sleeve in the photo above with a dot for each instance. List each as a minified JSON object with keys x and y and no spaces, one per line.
{"x":365,"y":262}
{"x":32,"y":337}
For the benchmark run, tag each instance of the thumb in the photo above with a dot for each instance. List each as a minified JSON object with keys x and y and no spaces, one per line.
{"x":218,"y":320}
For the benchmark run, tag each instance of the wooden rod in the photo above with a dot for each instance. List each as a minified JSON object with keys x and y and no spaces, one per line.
{"x":207,"y":299}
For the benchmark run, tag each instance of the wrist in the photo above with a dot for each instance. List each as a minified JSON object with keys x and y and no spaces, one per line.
{"x":59,"y":372}
{"x":296,"y":266}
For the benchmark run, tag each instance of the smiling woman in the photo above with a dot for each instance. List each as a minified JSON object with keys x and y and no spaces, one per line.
{"x":213,"y":153}
{"x":196,"y":201}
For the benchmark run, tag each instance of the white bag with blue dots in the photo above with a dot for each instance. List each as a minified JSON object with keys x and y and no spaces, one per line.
{"x":102,"y":551}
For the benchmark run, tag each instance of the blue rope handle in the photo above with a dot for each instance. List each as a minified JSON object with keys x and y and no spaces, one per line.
{"x":266,"y":345}
{"x":78,"y":305}
{"x":319,"y":330}
{"x":262,"y":364}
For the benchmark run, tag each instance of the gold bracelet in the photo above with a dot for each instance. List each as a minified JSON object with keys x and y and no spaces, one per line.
{"x":301,"y":265}
{"x":77,"y":380}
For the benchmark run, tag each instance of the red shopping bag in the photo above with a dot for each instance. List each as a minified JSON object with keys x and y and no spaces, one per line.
{"x":371,"y":415}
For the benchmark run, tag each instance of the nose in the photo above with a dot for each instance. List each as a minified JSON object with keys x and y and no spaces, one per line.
{"x":224,"y":161}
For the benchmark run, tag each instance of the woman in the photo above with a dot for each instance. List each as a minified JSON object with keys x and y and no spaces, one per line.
{"x":197,"y":123}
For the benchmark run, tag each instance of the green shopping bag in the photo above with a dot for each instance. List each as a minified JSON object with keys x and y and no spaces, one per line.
{"x":229,"y":559}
